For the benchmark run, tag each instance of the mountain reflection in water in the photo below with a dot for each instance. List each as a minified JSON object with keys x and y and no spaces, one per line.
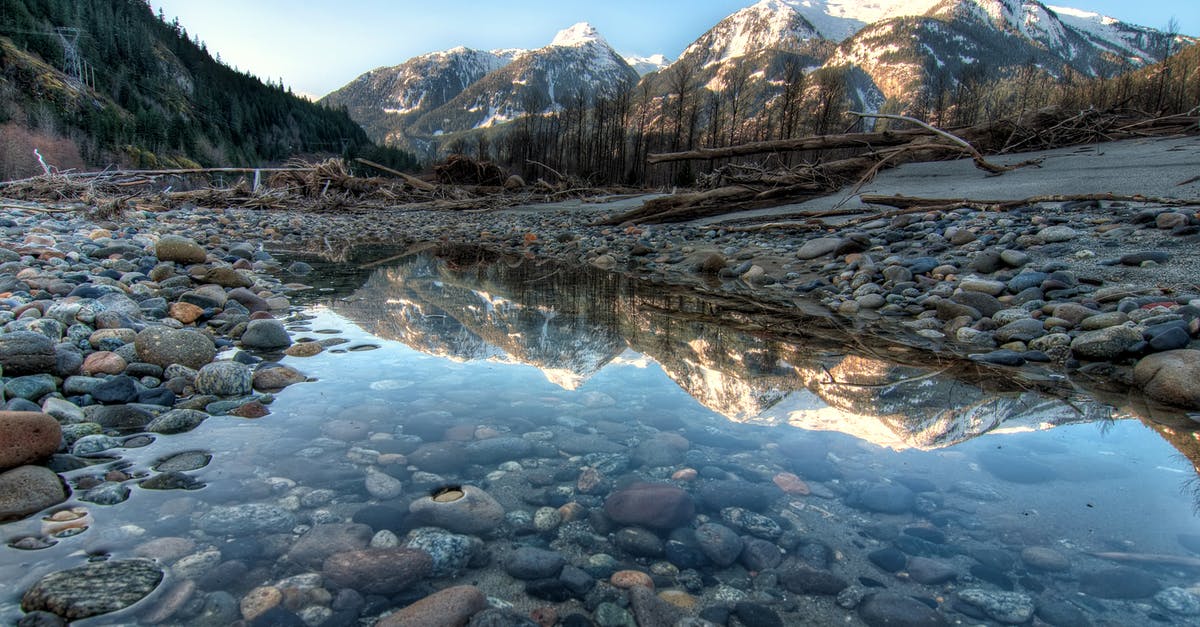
{"x":815,"y":376}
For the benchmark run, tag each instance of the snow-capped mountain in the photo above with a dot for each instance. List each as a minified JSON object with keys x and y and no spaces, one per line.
{"x":646,"y":65}
{"x":463,"y":89}
{"x":578,"y":64}
{"x":767,"y":25}
{"x":384,"y":98}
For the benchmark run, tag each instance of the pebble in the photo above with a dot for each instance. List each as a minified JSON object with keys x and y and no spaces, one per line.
{"x":1012,"y":608}
{"x":529,"y":562}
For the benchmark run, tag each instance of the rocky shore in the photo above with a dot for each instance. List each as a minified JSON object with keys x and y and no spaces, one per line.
{"x":119,"y":331}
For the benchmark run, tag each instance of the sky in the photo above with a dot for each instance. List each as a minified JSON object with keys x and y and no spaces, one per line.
{"x":316,"y":46}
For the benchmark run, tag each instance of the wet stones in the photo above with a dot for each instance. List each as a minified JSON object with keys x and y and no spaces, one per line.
{"x":26,"y":437}
{"x":462,"y":509}
{"x":93,"y":589}
{"x":176,"y":421}
{"x":656,"y":505}
{"x":818,"y":247}
{"x":28,"y":489}
{"x":384,"y":571}
{"x":1170,"y":377}
{"x":450,"y":552}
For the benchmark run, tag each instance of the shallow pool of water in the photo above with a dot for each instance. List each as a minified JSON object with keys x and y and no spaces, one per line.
{"x":823,"y":480}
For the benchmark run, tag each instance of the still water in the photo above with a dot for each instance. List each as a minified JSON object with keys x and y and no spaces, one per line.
{"x":825,"y":477}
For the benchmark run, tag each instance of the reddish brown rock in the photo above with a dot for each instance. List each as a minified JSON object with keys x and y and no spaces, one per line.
{"x":451,"y":607}
{"x":658,"y":505}
{"x":103,"y":362}
{"x":27,"y":436}
{"x":631,"y":579}
{"x":186,"y":313}
{"x":377,"y":571}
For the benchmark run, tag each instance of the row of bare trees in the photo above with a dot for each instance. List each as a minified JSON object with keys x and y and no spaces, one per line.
{"x":605,"y":140}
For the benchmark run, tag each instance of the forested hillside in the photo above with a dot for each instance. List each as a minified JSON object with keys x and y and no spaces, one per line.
{"x":100,"y":82}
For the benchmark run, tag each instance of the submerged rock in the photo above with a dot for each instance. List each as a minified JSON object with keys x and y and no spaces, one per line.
{"x":657,"y":505}
{"x":461,"y":509}
{"x":28,"y":489}
{"x":93,"y":589}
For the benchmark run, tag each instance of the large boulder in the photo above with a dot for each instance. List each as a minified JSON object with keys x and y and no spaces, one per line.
{"x":29,"y":489}
{"x":465,"y":509}
{"x":26,"y":352}
{"x":1171,"y":377}
{"x":164,"y":346}
{"x":179,"y":249}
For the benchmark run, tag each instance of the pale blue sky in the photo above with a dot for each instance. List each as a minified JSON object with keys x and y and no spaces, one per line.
{"x":316,"y":46}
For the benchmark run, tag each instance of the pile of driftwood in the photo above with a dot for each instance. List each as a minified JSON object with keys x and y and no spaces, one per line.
{"x":737,"y":187}
{"x":323,"y":186}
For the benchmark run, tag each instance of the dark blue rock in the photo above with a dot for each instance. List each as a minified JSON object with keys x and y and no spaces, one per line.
{"x":1138,"y":258}
{"x":1026,"y":280}
{"x":1119,"y":583}
{"x":756,"y":615}
{"x":1002,"y":357}
{"x":805,"y":580}
{"x":576,"y":580}
{"x":921,"y":265}
{"x":1170,"y":339}
{"x":157,"y":396}
{"x":117,"y":389}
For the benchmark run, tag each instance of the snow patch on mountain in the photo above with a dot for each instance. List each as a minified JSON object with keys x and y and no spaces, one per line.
{"x":645,"y":65}
{"x":769,"y":24}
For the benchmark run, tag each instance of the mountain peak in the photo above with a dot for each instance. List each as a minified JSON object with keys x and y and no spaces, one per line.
{"x":577,"y":35}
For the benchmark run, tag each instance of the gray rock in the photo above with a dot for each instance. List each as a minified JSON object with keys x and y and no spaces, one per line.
{"x":107,"y":493}
{"x":497,"y":450}
{"x":268,"y":334}
{"x":322,"y":541}
{"x":802,"y":579}
{"x":719,"y":543}
{"x":752,"y":523}
{"x":123,"y":417}
{"x":451,"y":552}
{"x":895,"y":610}
{"x":91,"y":444}
{"x":225,"y":378}
{"x":1105,"y":344}
{"x":164,"y":346}
{"x":1057,"y":233}
{"x":529,"y":562}
{"x":475,"y":512}
{"x":758,"y":554}
{"x":930,"y":571}
{"x":1013,"y":608}
{"x":818,"y":247}
{"x":991,"y":288}
{"x":651,"y":611}
{"x":184,"y":461}
{"x":177,"y":421}
{"x":30,"y":387}
{"x":26,"y":352}
{"x":1020,"y":331}
{"x":382,"y":485}
{"x":179,"y":249}
{"x":886,"y":499}
{"x":246,"y":519}
{"x":1119,"y":583}
{"x":384,"y":571}
{"x":1045,"y":559}
{"x":93,"y":589}
{"x":639,"y":542}
{"x":1179,"y":601}
{"x":28,"y":489}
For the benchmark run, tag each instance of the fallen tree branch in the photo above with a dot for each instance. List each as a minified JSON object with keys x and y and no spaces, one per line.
{"x":408,"y":178}
{"x":977,"y":156}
